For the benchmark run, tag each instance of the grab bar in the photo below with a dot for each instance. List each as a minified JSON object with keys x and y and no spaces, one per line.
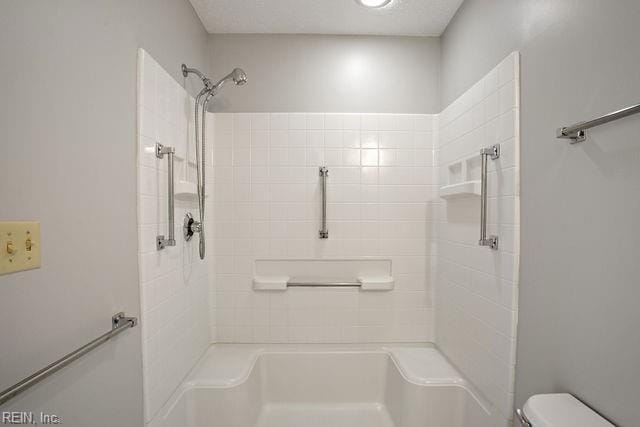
{"x":161,"y":242}
{"x":485,"y":153}
{"x":317,"y":284}
{"x":522,"y":418}
{"x":578,"y":132}
{"x":324,"y":173}
{"x":119,"y":322}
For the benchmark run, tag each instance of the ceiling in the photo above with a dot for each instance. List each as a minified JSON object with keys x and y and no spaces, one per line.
{"x":401,"y":17}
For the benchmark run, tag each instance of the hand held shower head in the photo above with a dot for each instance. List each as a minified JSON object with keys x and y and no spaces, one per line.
{"x":239,"y":77}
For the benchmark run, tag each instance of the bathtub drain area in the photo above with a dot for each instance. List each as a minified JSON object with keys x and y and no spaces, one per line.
{"x":322,"y":415}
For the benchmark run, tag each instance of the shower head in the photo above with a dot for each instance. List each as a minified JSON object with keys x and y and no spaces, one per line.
{"x":238,"y":76}
{"x":202,"y":99}
{"x":207,"y":83}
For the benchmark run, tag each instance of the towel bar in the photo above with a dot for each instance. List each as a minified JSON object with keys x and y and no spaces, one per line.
{"x":119,"y":322}
{"x":578,"y":132}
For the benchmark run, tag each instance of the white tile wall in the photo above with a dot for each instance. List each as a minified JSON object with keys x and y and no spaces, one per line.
{"x":385,"y":171}
{"x":267,"y":206}
{"x":476,"y":288}
{"x":173,"y":282}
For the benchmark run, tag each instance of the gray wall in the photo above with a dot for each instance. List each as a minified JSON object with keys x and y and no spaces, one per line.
{"x":483,"y":32}
{"x":579,"y":320}
{"x":68,"y":138}
{"x":312,"y":73}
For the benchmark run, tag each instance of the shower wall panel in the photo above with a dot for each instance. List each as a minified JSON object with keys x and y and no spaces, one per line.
{"x":173,"y":281}
{"x":267,"y":205}
{"x":476,"y":287}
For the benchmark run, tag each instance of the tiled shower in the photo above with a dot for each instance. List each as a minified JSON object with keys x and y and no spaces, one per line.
{"x":383,"y":205}
{"x":415,"y":213}
{"x":267,"y":206}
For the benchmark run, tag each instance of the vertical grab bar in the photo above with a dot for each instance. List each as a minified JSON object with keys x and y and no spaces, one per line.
{"x":485,"y":153}
{"x":161,"y":242}
{"x":324,"y":173}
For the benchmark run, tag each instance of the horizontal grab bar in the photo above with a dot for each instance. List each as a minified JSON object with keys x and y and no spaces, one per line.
{"x":118,"y":324}
{"x":313,"y":284}
{"x":578,"y":132}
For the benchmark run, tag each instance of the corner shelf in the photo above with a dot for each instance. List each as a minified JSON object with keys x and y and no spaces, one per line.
{"x":460,"y":190}
{"x":463,"y":178}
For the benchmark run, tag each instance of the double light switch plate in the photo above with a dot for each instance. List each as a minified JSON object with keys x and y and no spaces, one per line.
{"x":19,"y":246}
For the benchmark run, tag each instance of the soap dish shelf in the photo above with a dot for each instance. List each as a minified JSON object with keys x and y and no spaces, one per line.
{"x":463,"y":179}
{"x":282,"y":283}
{"x":186,"y":190}
{"x":460,"y":190}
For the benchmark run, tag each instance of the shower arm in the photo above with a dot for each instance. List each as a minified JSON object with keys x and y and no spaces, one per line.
{"x":207,"y":83}
{"x":186,"y":71}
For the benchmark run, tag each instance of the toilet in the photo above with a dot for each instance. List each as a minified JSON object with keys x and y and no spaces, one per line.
{"x":558,"y":410}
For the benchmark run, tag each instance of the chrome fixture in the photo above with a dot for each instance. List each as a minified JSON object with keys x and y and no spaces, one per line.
{"x":523,"y":419}
{"x":324,"y":174}
{"x":578,"y":132}
{"x":119,"y":322}
{"x":374,"y":4}
{"x":485,"y":153}
{"x":299,"y":283}
{"x":190,"y":226}
{"x":186,"y":71}
{"x":161,"y":242}
{"x":238,"y":76}
{"x":210,"y":89}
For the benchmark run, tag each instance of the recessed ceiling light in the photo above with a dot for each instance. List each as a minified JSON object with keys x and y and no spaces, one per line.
{"x":373,"y":3}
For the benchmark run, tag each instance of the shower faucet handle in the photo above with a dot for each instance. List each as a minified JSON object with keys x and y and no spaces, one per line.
{"x":191,"y":226}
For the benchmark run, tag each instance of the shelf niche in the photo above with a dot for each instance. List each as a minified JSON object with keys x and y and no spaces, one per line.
{"x":463,"y":179}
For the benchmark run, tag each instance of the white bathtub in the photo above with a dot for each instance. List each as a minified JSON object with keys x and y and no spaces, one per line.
{"x":324,"y":386}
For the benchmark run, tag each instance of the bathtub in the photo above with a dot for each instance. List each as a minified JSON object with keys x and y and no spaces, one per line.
{"x":324,"y":386}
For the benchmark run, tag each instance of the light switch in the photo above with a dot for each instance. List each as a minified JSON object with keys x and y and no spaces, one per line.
{"x":19,"y":246}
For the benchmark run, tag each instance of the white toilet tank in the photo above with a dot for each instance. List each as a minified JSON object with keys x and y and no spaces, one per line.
{"x":559,"y":410}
